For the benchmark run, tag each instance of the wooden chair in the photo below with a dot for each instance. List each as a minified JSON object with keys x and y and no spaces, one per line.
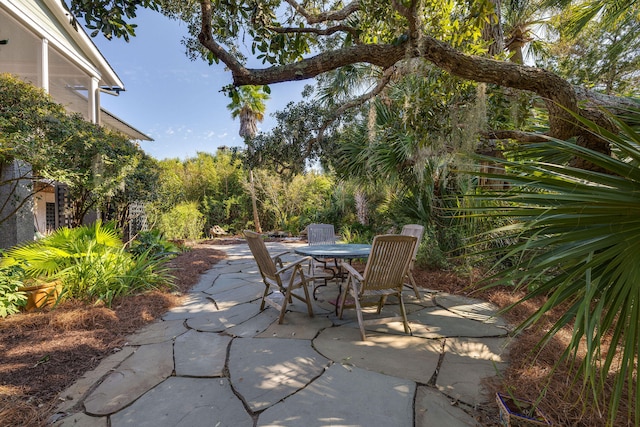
{"x":417,"y":231}
{"x":322,"y":234}
{"x":383,"y":276}
{"x":285,"y":278}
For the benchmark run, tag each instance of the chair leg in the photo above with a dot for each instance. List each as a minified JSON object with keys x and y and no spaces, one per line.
{"x":342,"y":299}
{"x":413,"y":284}
{"x":285,"y":300}
{"x":307,"y":298}
{"x":359,"y":315}
{"x":403,"y":311}
{"x":266,"y":292}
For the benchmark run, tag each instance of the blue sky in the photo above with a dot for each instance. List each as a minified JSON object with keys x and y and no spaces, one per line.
{"x":174,"y":100}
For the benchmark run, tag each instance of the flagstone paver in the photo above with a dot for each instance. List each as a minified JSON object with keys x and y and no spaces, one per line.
{"x":346,"y":397}
{"x":74,"y":395}
{"x":412,"y":358}
{"x":83,"y":420}
{"x":158,"y":332}
{"x":206,"y":280}
{"x":229,"y":281}
{"x":297,"y":326}
{"x":438,"y":322}
{"x":186,"y":402}
{"x":232,"y":297}
{"x":266,"y":370}
{"x":433,"y":408}
{"x":195,"y":304}
{"x":220,"y":320}
{"x":218,"y":360}
{"x":200,"y":354}
{"x":255,"y":325}
{"x":139,"y":373}
{"x":466,"y":362}
{"x":482,"y":311}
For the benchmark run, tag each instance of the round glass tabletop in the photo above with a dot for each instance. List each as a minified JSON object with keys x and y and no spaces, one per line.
{"x":339,"y":250}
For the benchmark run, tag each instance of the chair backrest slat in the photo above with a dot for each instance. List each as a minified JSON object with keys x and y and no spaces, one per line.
{"x":261,"y":254}
{"x":415,"y":230}
{"x":321,"y":234}
{"x":388,"y":262}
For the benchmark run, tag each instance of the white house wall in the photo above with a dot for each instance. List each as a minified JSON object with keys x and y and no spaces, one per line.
{"x":44,"y":49}
{"x":49,"y":20}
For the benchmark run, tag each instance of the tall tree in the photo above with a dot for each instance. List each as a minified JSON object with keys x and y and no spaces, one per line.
{"x":91,"y":159}
{"x":304,"y":40}
{"x":520,"y":19}
{"x":604,"y":58}
{"x":248,"y":103}
{"x":29,"y":123}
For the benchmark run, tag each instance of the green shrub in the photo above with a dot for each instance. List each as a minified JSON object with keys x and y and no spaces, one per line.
{"x":11,"y":299}
{"x":184,"y":221}
{"x":91,"y":262}
{"x":154,"y":244}
{"x":357,"y":233}
{"x":430,"y":255}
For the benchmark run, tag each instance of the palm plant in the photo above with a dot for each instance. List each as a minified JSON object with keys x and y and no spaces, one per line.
{"x":520,"y":19}
{"x":608,"y":12}
{"x":576,"y":243}
{"x":91,"y":261}
{"x":58,"y":251}
{"x":247,"y":102}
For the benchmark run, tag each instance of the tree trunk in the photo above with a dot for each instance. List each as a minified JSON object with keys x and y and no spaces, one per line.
{"x":492,"y":31}
{"x":254,"y":204}
{"x":361,"y":207}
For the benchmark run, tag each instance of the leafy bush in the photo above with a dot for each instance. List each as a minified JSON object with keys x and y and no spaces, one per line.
{"x":184,"y":221}
{"x":154,"y":244}
{"x":357,"y":233}
{"x":91,"y":262}
{"x":430,"y":254}
{"x":11,"y":299}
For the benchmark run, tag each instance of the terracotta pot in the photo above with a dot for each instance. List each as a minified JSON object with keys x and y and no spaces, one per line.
{"x":519,"y":413}
{"x":42,"y":295}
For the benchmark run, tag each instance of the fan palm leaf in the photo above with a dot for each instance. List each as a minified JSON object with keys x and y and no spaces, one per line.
{"x":576,"y":242}
{"x":51,"y":256}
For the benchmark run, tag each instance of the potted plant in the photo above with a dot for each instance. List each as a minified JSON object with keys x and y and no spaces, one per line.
{"x":41,"y":294}
{"x":519,"y":413}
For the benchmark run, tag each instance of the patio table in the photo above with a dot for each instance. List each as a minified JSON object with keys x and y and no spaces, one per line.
{"x":348,"y":251}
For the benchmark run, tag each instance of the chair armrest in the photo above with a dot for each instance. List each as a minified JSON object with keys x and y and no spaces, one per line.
{"x":352,"y":270}
{"x":277,"y":258}
{"x":293,"y":264}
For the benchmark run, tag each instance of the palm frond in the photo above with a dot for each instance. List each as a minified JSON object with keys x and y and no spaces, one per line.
{"x":576,"y":242}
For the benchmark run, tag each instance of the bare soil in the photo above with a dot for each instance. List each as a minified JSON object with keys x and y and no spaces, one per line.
{"x":42,"y":353}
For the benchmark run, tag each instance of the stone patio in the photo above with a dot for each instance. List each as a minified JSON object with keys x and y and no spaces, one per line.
{"x":218,"y":361}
